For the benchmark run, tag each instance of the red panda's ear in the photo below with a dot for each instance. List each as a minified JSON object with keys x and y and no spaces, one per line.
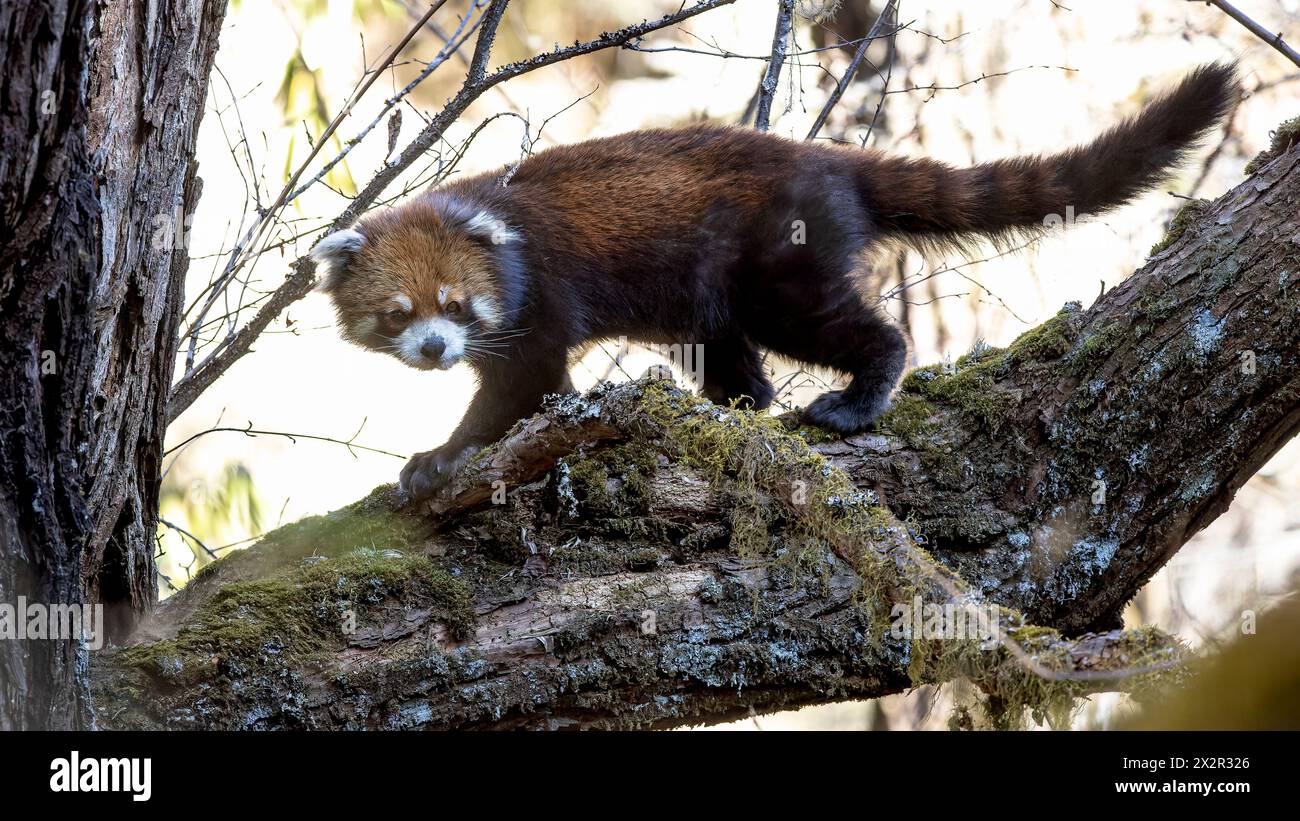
{"x":490,"y":228}
{"x":333,"y":254}
{"x":479,"y":223}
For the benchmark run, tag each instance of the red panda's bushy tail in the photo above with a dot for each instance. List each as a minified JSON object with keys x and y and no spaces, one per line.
{"x":927,"y":203}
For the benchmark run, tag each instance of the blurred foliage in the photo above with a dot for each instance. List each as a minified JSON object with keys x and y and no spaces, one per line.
{"x":1252,"y":684}
{"x":302,"y":98}
{"x":214,"y":512}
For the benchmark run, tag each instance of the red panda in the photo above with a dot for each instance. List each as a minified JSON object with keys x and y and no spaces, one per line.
{"x":735,"y":239}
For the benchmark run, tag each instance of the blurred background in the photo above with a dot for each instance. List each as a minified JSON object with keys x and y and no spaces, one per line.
{"x":962,"y":82}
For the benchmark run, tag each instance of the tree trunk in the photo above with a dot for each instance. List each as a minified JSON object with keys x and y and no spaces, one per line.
{"x":98,"y":126}
{"x":49,"y":256}
{"x":640,"y":558}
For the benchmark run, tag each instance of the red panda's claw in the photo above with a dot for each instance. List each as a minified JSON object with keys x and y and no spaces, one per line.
{"x":429,"y":471}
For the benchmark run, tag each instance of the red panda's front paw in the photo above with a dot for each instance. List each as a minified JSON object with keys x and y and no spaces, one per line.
{"x":429,"y":471}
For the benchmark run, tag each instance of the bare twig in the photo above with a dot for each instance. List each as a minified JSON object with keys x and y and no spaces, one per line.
{"x":935,"y":88}
{"x":458,"y":38}
{"x":254,"y":237}
{"x":1273,"y":39}
{"x":780,"y":42}
{"x":186,"y":534}
{"x":727,"y":54}
{"x":886,"y":15}
{"x":349,"y":443}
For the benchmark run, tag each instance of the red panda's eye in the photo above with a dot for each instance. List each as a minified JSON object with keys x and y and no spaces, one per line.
{"x":452,"y":307}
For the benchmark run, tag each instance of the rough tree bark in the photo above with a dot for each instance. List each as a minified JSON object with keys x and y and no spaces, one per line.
{"x":100,"y":114}
{"x":640,"y":558}
{"x":48,"y":257}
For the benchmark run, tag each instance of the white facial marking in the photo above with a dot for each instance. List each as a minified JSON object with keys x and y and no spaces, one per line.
{"x":402,"y":301}
{"x":487,"y":309}
{"x":442,"y":295}
{"x":364,"y":326}
{"x":410,"y":341}
{"x":491,"y":228}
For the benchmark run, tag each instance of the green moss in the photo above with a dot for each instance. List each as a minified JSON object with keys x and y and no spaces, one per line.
{"x":1045,"y":682}
{"x":645,"y":558}
{"x":1157,"y":308}
{"x":791,"y":505}
{"x":598,"y":558}
{"x":971,"y":389}
{"x":586,"y":558}
{"x":374,"y":521}
{"x":813,"y":435}
{"x":774,"y":479}
{"x":294,"y":614}
{"x":1051,"y":340}
{"x":1179,"y":224}
{"x":910,"y":418}
{"x":588,"y":481}
{"x":764,"y":463}
{"x":1283,"y":137}
{"x":966,"y":525}
{"x":612,"y":482}
{"x":972,"y":384}
{"x":943,"y":466}
{"x":1098,"y":345}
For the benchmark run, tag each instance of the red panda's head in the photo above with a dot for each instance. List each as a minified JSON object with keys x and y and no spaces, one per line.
{"x":420,"y":281}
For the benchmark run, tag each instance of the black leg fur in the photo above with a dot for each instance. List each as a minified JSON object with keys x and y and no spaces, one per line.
{"x":851,"y":337}
{"x":874,"y":353}
{"x":508,"y":391}
{"x":733,"y":370}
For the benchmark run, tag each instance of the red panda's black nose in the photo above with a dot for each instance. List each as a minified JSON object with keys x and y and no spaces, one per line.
{"x":433,"y":348}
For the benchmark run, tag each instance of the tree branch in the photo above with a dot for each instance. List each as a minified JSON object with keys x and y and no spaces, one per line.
{"x":637,"y":557}
{"x":886,"y":17}
{"x":772,"y":77}
{"x":1274,"y":39}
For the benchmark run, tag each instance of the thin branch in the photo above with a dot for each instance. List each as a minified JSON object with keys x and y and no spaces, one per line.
{"x":458,"y":39}
{"x":772,"y":77}
{"x":185,"y":533}
{"x":253,"y":238}
{"x":935,"y":88}
{"x":886,"y":15}
{"x":1273,"y":39}
{"x":349,"y":443}
{"x":728,"y":54}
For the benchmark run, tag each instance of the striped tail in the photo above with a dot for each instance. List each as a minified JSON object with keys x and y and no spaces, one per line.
{"x":929,"y":204}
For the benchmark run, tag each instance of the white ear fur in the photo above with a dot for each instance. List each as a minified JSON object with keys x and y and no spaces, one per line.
{"x":333,"y":253}
{"x":491,"y":228}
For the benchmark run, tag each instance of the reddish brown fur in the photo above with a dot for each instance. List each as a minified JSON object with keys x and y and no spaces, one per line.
{"x":412,"y":252}
{"x":688,"y":236}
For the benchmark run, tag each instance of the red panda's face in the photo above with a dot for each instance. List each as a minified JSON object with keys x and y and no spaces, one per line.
{"x":417,"y":283}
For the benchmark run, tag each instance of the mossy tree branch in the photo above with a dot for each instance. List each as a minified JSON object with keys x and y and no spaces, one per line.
{"x":639,"y":557}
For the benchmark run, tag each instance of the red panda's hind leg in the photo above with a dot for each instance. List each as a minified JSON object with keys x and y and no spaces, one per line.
{"x":872,"y":350}
{"x":732,"y":369}
{"x":844,"y":333}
